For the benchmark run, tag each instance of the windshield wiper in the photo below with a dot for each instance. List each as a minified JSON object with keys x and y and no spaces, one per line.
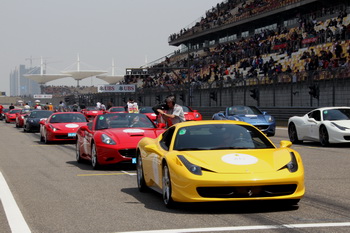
{"x":191,"y":148}
{"x":228,"y":147}
{"x":103,"y":128}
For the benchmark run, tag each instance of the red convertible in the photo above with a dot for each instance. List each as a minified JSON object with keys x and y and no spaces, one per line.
{"x":148,"y":111}
{"x":91,"y":112}
{"x":61,"y":126}
{"x":113,"y":137}
{"x":191,"y":115}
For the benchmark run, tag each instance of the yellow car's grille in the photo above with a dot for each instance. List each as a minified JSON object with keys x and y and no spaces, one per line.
{"x":247,"y":191}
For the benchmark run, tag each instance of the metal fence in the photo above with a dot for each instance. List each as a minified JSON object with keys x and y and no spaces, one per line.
{"x":330,"y":87}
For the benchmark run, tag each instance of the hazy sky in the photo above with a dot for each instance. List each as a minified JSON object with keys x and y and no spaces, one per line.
{"x":128,"y":31}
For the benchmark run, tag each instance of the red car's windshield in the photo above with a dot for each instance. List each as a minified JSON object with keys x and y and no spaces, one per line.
{"x":146,"y":110}
{"x":15,"y":111}
{"x":123,"y":120}
{"x":117,"y":109}
{"x":68,"y":118}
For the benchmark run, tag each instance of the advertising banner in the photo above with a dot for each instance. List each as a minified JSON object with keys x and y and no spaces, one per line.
{"x":280,"y":46}
{"x":39,"y":96}
{"x":116,"y":88}
{"x":309,"y":40}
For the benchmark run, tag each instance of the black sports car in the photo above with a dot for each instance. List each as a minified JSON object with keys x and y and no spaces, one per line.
{"x":31,"y":121}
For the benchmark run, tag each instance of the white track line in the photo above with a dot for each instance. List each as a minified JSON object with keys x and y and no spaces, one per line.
{"x":246,"y":228}
{"x":14,"y":216}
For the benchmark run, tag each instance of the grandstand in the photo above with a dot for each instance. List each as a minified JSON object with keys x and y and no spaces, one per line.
{"x":61,"y":91}
{"x":256,"y":38}
{"x":280,"y":47}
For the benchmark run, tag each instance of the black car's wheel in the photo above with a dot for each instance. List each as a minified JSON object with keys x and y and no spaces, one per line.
{"x":28,"y":128}
{"x":77,"y":152}
{"x":94,"y":158}
{"x":293,"y":134}
{"x":167,"y":199}
{"x":141,"y":184}
{"x":324,"y":137}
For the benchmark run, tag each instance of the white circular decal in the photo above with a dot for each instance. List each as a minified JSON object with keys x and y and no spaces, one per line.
{"x":239,"y":159}
{"x":133,"y":131}
{"x":72,"y":126}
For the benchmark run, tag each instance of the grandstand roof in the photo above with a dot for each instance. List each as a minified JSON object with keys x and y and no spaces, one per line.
{"x":111,"y":79}
{"x":44,"y":78}
{"x":81,"y":74}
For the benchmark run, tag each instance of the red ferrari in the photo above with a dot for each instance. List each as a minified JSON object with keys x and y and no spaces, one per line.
{"x":117,"y":109}
{"x":113,"y":137}
{"x":91,"y":112}
{"x":20,"y":117}
{"x":148,"y":111}
{"x":10,"y":116}
{"x":61,"y":126}
{"x":191,"y":115}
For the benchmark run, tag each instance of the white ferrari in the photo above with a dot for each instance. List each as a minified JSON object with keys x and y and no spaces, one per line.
{"x":325,"y":125}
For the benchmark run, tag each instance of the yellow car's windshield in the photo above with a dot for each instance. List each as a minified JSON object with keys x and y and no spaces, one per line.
{"x":220,"y":137}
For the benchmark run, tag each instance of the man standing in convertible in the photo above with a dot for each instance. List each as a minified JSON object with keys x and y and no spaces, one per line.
{"x":172,"y":113}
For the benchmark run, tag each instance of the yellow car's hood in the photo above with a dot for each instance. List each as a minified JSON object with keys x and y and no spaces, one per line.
{"x":239,"y":161}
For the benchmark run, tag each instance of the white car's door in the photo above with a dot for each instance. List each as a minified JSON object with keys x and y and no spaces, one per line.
{"x":314,"y":122}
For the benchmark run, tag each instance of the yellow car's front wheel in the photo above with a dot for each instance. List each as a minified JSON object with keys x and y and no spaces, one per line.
{"x":168,"y":201}
{"x":141,"y":184}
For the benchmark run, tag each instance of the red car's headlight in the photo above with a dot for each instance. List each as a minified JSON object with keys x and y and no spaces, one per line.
{"x":107,"y":140}
{"x":53,"y":128}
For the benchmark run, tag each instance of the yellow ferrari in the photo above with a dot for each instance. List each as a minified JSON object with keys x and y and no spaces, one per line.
{"x":208,"y":161}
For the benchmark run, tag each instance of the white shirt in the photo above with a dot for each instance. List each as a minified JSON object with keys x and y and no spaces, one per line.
{"x":133,"y":107}
{"x":178,"y":112}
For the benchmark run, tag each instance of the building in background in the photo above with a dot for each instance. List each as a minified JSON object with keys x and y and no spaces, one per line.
{"x":22,"y":86}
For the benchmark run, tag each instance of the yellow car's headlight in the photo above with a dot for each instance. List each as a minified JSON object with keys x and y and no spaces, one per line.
{"x":292,"y":166}
{"x":190,"y":166}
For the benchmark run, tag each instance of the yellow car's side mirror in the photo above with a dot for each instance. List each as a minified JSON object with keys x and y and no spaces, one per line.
{"x":285,"y":144}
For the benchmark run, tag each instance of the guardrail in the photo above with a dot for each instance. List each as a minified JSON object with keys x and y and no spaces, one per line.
{"x":281,"y":114}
